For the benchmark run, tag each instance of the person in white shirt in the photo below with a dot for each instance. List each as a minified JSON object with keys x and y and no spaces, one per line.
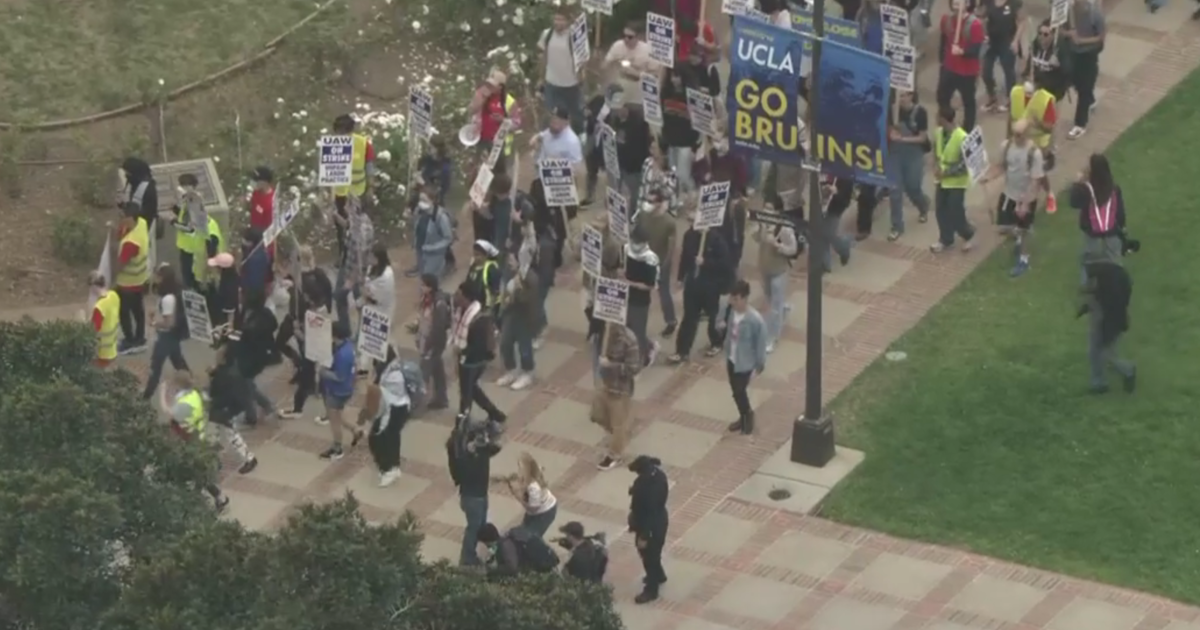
{"x":626,"y":60}
{"x":388,"y":416}
{"x":529,"y":487}
{"x":379,"y":291}
{"x":778,"y":12}
{"x":745,"y":351}
{"x":561,"y":86}
{"x":558,"y":141}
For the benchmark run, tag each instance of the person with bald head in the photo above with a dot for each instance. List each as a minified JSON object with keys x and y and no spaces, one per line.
{"x":1023,"y":167}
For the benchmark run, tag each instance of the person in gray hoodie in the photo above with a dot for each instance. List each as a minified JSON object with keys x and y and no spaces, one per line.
{"x":434,"y":234}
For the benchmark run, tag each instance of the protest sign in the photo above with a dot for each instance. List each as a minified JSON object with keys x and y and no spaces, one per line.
{"x":420,"y":111}
{"x":852,"y":114}
{"x":771,"y":217}
{"x":195,"y":309}
{"x":612,"y":300}
{"x":374,"y":330}
{"x":713,"y":200}
{"x":608,"y":142}
{"x":318,"y":338}
{"x":481,"y":185}
{"x":618,"y":215}
{"x":651,"y":104}
{"x":559,"y":182}
{"x":1060,"y":12}
{"x":335,"y":165}
{"x":581,"y":49}
{"x":284,"y":215}
{"x":736,"y":7}
{"x":975,"y":154}
{"x":902,"y":59}
{"x":702,"y":112}
{"x":660,"y":34}
{"x":845,"y":32}
{"x":603,"y":6}
{"x":895,"y":25}
{"x":498,"y":143}
{"x":591,"y":250}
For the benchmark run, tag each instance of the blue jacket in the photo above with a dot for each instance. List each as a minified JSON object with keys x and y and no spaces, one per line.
{"x":342,"y":383}
{"x":751,"y":352}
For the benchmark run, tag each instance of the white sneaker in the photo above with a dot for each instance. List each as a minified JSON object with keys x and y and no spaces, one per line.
{"x":388,"y":478}
{"x":771,"y":347}
{"x":537,"y":343}
{"x":1076,"y":133}
{"x":523,"y":381}
{"x":507,"y":379}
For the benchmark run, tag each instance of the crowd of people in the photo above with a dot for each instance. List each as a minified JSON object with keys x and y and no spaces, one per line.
{"x":520,"y":244}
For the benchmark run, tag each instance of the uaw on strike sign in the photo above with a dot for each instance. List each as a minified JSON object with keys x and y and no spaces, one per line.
{"x":335,"y":167}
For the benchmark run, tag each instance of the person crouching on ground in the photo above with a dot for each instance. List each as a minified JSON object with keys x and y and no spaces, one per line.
{"x":648,"y":520}
{"x":518,"y":323}
{"x":589,"y":554}
{"x":620,"y":362}
{"x":337,"y":386}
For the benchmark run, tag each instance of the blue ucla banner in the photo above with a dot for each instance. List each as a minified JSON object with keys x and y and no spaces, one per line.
{"x":844,"y":32}
{"x":764,"y":84}
{"x":852,"y":113}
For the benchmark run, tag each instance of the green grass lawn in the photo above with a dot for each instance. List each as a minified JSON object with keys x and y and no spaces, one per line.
{"x":986,"y":439}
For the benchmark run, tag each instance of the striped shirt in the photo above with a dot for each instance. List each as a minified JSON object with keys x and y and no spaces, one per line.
{"x":665,"y":183}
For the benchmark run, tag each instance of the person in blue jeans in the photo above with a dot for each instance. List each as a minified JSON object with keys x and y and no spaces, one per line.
{"x":469,"y":453}
{"x":170,"y":326}
{"x":909,"y":142}
{"x":337,"y":387}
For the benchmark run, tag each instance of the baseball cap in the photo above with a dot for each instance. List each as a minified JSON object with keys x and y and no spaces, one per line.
{"x":263,"y":174}
{"x":573,"y":529}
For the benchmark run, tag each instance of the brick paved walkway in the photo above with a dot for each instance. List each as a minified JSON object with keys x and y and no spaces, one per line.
{"x":734,"y":563}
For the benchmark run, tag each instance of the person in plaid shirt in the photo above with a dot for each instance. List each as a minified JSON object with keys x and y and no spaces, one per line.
{"x":658,"y":176}
{"x":619,"y":366}
{"x":360,"y":239}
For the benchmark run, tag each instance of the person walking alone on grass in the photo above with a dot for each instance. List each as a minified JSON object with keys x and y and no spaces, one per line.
{"x":1086,"y":33}
{"x":1108,"y":290}
{"x":337,"y":386}
{"x":1023,"y":167}
{"x":170,"y":326}
{"x":1101,"y":209}
{"x":960,"y":59}
{"x":612,"y":403}
{"x":909,"y":142}
{"x":648,"y":520}
{"x":953,"y":179}
{"x":745,"y":351}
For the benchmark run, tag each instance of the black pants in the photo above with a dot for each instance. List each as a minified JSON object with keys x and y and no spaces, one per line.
{"x":284,"y":334}
{"x":132,"y":314}
{"x":186,"y":273}
{"x":470,"y":392}
{"x":738,"y":382}
{"x":385,"y":444}
{"x":697,"y":302}
{"x":948,"y":84}
{"x":166,"y":346}
{"x":306,"y":384}
{"x":1086,"y":71}
{"x":651,"y":557}
{"x":868,"y":200}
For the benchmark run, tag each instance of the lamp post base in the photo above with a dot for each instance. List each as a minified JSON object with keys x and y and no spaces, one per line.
{"x":812,"y":441}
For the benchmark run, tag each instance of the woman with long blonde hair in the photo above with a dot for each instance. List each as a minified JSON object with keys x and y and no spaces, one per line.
{"x":530,"y":488}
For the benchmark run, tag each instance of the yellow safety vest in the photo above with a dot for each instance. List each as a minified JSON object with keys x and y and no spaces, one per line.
{"x":358,"y":169}
{"x":189,"y":242}
{"x":110,"y":316}
{"x":949,"y":155}
{"x":482,"y":275}
{"x":1036,"y":109}
{"x":199,"y":419}
{"x":135,"y":272}
{"x":200,"y":262}
{"x":508,"y":106}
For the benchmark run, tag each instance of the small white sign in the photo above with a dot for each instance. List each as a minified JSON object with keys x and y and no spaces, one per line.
{"x":335,"y":167}
{"x":608,"y":142}
{"x":591,"y":250}
{"x":104,"y":269}
{"x":735,"y":7}
{"x":559,"y":183}
{"x":975,"y":154}
{"x":618,"y":215}
{"x":895,"y":25}
{"x":420,"y":111}
{"x":603,"y":6}
{"x":374,"y":330}
{"x":282,"y":219}
{"x":581,"y":49}
{"x":1060,"y":12}
{"x":903,"y":62}
{"x":318,"y":338}
{"x":612,"y":300}
{"x":651,"y":103}
{"x":660,"y":34}
{"x":481,"y":185}
{"x":713,"y":200}
{"x":195,"y":308}
{"x":702,"y":111}
{"x":498,"y":143}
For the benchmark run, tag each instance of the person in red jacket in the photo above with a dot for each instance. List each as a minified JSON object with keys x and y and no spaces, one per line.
{"x":960,"y":58}
{"x":262,"y":202}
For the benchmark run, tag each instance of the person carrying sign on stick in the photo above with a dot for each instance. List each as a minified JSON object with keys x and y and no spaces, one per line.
{"x":963,"y":37}
{"x":620,"y":361}
{"x":362,"y":168}
{"x":1048,"y":65}
{"x":952,"y":177}
{"x":706,"y":269}
{"x":494,"y":104}
{"x":656,"y":223}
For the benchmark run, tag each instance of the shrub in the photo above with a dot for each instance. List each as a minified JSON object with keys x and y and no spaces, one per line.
{"x":74,"y":241}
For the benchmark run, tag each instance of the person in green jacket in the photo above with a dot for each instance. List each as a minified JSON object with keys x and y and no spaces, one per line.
{"x":952,"y":177}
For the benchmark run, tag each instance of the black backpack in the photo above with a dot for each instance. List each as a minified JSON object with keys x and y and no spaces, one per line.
{"x":534,"y":554}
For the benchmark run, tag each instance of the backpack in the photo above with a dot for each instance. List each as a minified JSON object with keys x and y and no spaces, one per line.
{"x":600,"y":546}
{"x":534,"y":553}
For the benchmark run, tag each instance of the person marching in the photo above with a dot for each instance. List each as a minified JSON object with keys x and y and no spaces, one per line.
{"x":362,"y":173}
{"x":1023,"y":168}
{"x":953,"y":179}
{"x":484,"y":274}
{"x":493,"y":104}
{"x":189,"y":419}
{"x":612,"y":403}
{"x":1049,"y":62}
{"x":909,"y":142}
{"x":170,"y":327}
{"x":337,"y":387}
{"x":133,"y":260}
{"x":395,"y":407}
{"x":1033,"y":102}
{"x":229,"y":396}
{"x":745,"y":351}
{"x":106,"y":316}
{"x":474,"y":343}
{"x":191,"y":221}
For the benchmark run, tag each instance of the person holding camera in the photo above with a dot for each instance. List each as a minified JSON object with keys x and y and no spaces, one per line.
{"x":469,"y":452}
{"x":1101,"y":211}
{"x":588,"y":559}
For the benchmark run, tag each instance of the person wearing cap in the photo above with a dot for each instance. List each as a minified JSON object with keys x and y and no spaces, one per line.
{"x":190,"y":219}
{"x":633,"y":139}
{"x":261,"y":205}
{"x":484,"y":273}
{"x":648,"y":520}
{"x":493,"y":104}
{"x":133,"y":274}
{"x":106,"y":318}
{"x":589,"y":556}
{"x":561,"y":87}
{"x":362,"y":169}
{"x":627,"y":59}
{"x":223,"y":291}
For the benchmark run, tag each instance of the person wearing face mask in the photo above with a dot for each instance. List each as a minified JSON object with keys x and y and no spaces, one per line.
{"x":190,"y":220}
{"x":642,"y":273}
{"x":633,"y":139}
{"x":655,"y":222}
{"x":434,"y":232}
{"x":705,"y":275}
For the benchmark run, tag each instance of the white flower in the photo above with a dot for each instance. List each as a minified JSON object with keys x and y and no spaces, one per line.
{"x":500,"y":33}
{"x":296,"y":144}
{"x":501,"y":3}
{"x":360,"y":33}
{"x":400,"y":79}
{"x":424,"y":9}
{"x":216,"y":158}
{"x":518,"y":18}
{"x":276,"y":115}
{"x":427,"y":79}
{"x":487,"y":20}
{"x":279,"y":100}
{"x":324,"y":130}
{"x":460,"y":78}
{"x":384,"y":176}
{"x":304,"y":113}
{"x":312,"y":196}
{"x":387,"y":135}
{"x":294,"y":191}
{"x":304,"y":129}
{"x":161,"y":82}
{"x":466,"y":28}
{"x":417,"y":24}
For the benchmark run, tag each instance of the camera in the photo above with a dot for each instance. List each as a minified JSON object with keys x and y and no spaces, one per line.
{"x":563,"y":542}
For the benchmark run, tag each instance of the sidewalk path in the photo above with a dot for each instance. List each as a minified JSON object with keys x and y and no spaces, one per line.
{"x":733,"y":563}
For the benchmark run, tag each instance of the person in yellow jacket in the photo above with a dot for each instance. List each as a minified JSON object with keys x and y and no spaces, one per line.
{"x":190,"y":219}
{"x":362,"y":169}
{"x":214,"y":244}
{"x":484,"y":274}
{"x":105,"y":318}
{"x":1033,"y":102}
{"x":952,"y":177}
{"x":189,"y":420}
{"x":133,"y":273}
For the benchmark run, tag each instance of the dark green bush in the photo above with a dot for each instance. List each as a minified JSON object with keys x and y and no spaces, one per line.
{"x":74,"y":241}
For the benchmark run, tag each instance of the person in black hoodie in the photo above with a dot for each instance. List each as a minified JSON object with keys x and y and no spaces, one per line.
{"x":1108,"y":292}
{"x":469,"y":452}
{"x":633,"y":138}
{"x":141,"y":189}
{"x":705,"y":277}
{"x":648,"y":520}
{"x":256,"y":346}
{"x":229,"y":397}
{"x":593,"y":152}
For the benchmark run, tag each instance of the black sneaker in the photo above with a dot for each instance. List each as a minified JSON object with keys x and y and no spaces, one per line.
{"x":670,"y":329}
{"x":438,"y":404}
{"x":646,"y":596}
{"x":248,"y":466}
{"x":736,"y":425}
{"x":333,"y":453}
{"x":221,"y":504}
{"x":608,"y":463}
{"x":358,"y":436}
